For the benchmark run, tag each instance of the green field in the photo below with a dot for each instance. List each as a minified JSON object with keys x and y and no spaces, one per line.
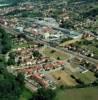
{"x":89,"y":45}
{"x":87,"y":77}
{"x":78,"y":94}
{"x":55,"y":54}
{"x":15,"y":46}
{"x":26,"y":95}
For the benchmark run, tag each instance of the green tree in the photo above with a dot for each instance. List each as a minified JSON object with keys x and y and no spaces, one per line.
{"x":36,"y":54}
{"x":10,"y":88}
{"x":5,"y":41}
{"x":44,"y":94}
{"x":20,"y":79}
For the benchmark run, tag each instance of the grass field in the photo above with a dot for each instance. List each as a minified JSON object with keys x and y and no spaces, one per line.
{"x":26,"y":95}
{"x":70,"y":41}
{"x":87,"y":77}
{"x":78,"y":94}
{"x":90,"y":45}
{"x":65,"y":78}
{"x":48,"y":52}
{"x":15,"y":46}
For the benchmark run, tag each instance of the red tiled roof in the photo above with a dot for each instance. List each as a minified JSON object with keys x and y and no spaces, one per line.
{"x":39,"y":79}
{"x":60,"y":62}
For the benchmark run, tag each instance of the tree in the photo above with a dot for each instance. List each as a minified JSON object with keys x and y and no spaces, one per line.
{"x":20,"y":79}
{"x":11,"y":60}
{"x":2,"y":62}
{"x":44,"y":94}
{"x":95,"y":83}
{"x":96,"y":74}
{"x":59,"y":78}
{"x":58,"y":58}
{"x":10,"y":89}
{"x":36,"y":54}
{"x":53,"y":51}
{"x":5,"y":41}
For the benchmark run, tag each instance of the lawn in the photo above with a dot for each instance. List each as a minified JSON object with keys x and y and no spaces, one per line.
{"x":26,"y":95}
{"x":87,"y":77}
{"x":70,"y":41}
{"x":91,"y":45}
{"x":65,"y":78}
{"x":62,"y":55}
{"x":19,"y":45}
{"x":78,"y":94}
{"x":91,"y":48}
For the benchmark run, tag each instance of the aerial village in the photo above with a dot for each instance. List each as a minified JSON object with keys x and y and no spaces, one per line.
{"x":47,"y":55}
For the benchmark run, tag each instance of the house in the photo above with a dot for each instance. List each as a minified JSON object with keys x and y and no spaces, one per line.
{"x":51,"y":22}
{"x":75,"y":35}
{"x":20,"y":29}
{"x":40,"y":80}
